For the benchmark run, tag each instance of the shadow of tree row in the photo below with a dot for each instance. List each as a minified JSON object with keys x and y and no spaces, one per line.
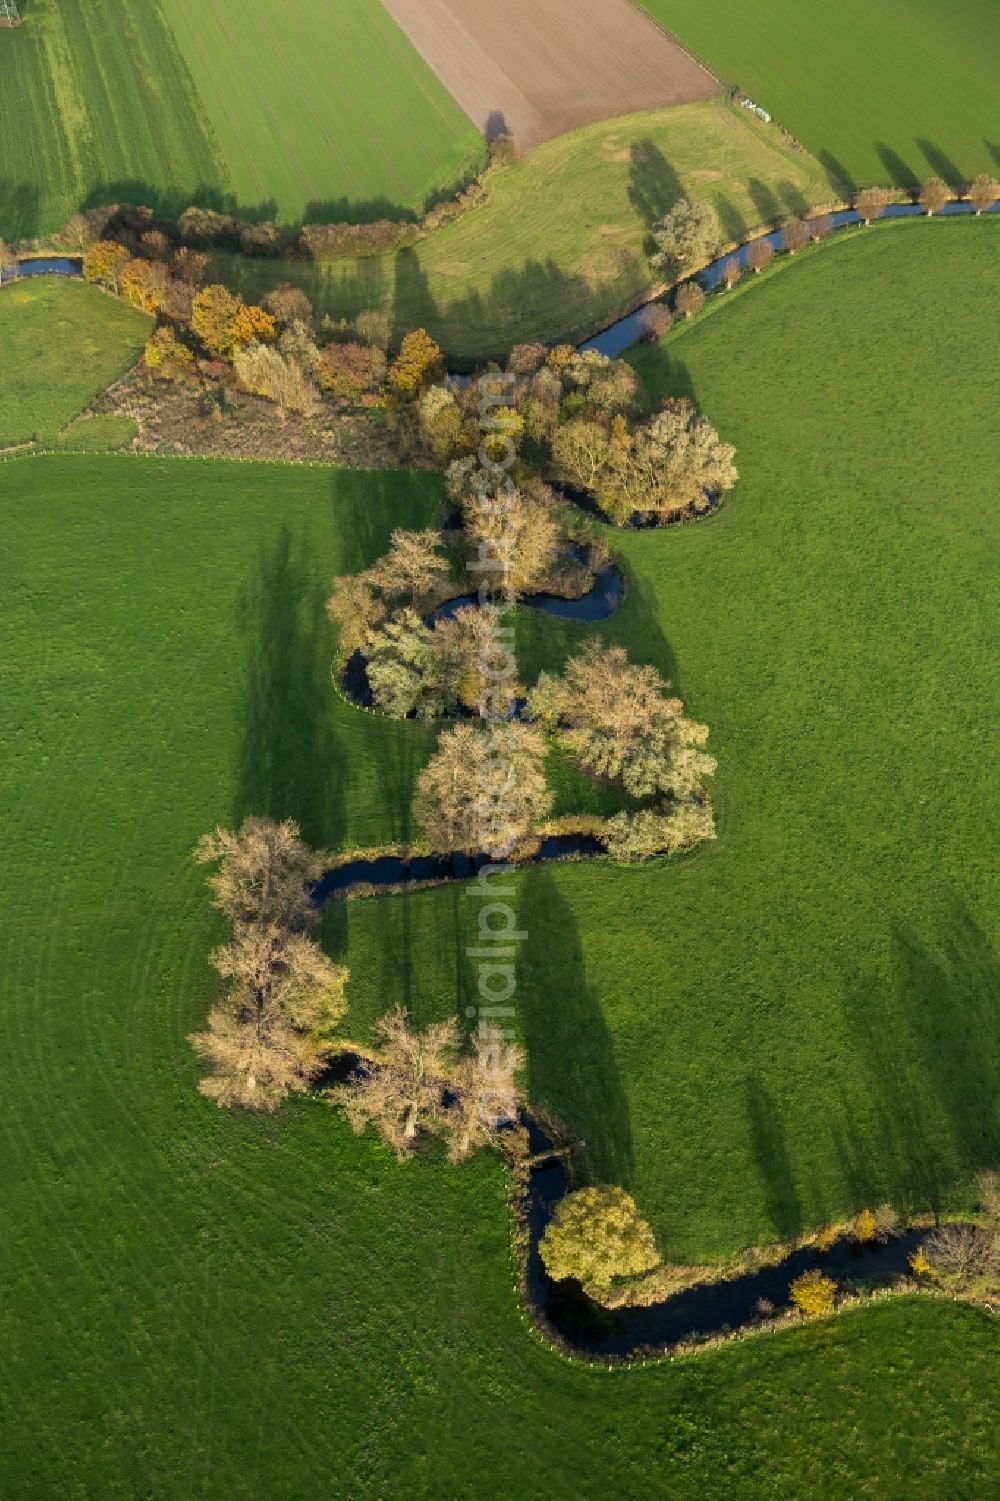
{"x":22,"y":204}
{"x":927,"y":1041}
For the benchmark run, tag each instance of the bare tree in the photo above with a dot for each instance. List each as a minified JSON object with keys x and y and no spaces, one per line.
{"x":483,"y":1093}
{"x":673,"y":463}
{"x":887,"y":1221}
{"x":373,"y":328}
{"x":269,"y":1038}
{"x":619,"y":721}
{"x":655,"y":319}
{"x":484,"y":789}
{"x":988,"y":1188}
{"x":580,"y":449}
{"x":265,"y":873}
{"x":8,"y":262}
{"x":256,"y":1063}
{"x":401,"y":1092}
{"x":472,"y":660}
{"x":690,"y":299}
{"x":418,"y":1082}
{"x":731,"y":273}
{"x":794,"y":235}
{"x":964,"y":1256}
{"x":268,"y":372}
{"x":760,"y":254}
{"x":288,"y":305}
{"x":819,"y":226}
{"x":871,"y":203}
{"x":414,"y":568}
{"x":356,"y":609}
{"x":523,"y":535}
{"x":983,"y":192}
{"x":934,"y":194}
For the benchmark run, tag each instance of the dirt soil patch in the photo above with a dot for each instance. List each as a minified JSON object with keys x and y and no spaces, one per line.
{"x":536,"y":68}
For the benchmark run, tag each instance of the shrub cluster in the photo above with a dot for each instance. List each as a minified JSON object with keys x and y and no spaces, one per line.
{"x":577,"y":417}
{"x":273,"y":350}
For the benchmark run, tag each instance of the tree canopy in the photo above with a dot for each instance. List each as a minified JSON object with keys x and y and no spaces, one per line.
{"x":595,"y":1236}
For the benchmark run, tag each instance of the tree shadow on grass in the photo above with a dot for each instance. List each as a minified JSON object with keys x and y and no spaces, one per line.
{"x":941,"y":163}
{"x":169,"y":202}
{"x":954,"y":983}
{"x":639,"y":629}
{"x":663,"y":372}
{"x":769,"y":1144}
{"x":765,"y":201}
{"x":653,"y":185}
{"x":545,"y":643}
{"x":412,"y":291}
{"x":930,"y":1047}
{"x":795,"y":201}
{"x":537,"y":299}
{"x":839,"y":176}
{"x":414,"y":949}
{"x":20,"y":205}
{"x":572,"y":1069}
{"x":900,"y":173}
{"x":731,"y":220}
{"x":290,"y":763}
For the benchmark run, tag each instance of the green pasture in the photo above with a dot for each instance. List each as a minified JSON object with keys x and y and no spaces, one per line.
{"x":213,"y":1305}
{"x":892,"y":92}
{"x":322,"y":109}
{"x":61,"y":343}
{"x":96,"y":106}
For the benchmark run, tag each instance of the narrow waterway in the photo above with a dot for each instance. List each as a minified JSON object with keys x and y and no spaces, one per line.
{"x":564,"y":1310}
{"x":625,"y":332}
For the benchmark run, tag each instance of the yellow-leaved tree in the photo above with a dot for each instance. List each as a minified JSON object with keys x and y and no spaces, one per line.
{"x":595,"y":1236}
{"x":814,"y":1294}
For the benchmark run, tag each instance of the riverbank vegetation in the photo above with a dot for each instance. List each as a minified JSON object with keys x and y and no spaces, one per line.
{"x":558,"y":247}
{"x":822,"y":805}
{"x":270,"y":1035}
{"x":227,"y":567}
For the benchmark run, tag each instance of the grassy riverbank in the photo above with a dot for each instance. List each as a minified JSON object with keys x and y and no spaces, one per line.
{"x":167,"y":667}
{"x":558,"y":247}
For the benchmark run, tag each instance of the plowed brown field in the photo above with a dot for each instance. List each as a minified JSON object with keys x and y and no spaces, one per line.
{"x":536,"y":68}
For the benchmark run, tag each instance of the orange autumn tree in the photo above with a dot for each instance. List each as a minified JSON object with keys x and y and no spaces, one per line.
{"x":419,"y":361}
{"x":104,"y":263}
{"x":213,"y":314}
{"x":167,"y":357}
{"x":224,"y":322}
{"x":143,"y":284}
{"x":253,"y":324}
